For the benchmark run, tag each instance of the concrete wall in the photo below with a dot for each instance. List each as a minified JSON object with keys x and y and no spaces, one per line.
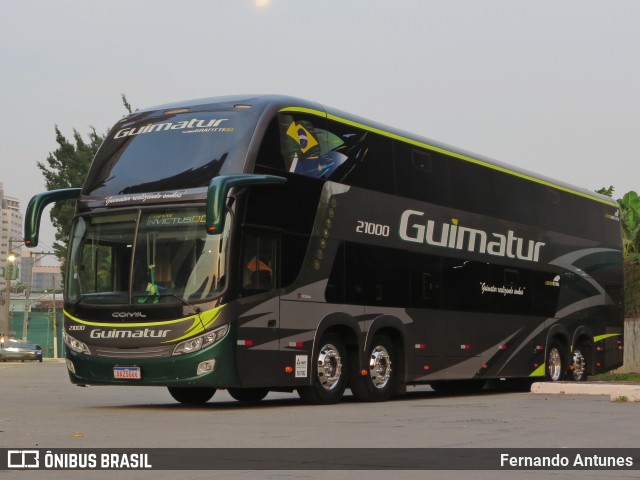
{"x":631,"y":346}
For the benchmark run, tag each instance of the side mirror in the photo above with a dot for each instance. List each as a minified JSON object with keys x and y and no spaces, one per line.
{"x":36,"y":207}
{"x":219,"y":189}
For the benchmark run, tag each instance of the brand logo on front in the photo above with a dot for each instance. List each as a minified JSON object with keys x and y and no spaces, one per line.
{"x":195,"y":124}
{"x":128,"y":315}
{"x":139,"y":333}
{"x":456,"y":237}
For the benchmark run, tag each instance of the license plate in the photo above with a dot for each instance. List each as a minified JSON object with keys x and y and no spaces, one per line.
{"x":128,"y":373}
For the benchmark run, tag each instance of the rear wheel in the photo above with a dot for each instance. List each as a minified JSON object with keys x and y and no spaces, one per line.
{"x":192,"y":395}
{"x":248,"y":394}
{"x":578,"y":368}
{"x":377,"y":384}
{"x":328,"y":373}
{"x":555,"y":370}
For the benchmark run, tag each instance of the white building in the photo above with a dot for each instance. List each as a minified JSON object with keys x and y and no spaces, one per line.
{"x":10,"y":229}
{"x":40,"y":277}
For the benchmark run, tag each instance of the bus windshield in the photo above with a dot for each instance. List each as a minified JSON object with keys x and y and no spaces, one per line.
{"x":171,"y":151}
{"x":145,"y":257}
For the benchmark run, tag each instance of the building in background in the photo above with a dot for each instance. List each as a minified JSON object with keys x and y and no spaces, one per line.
{"x":40,"y":277}
{"x":10,"y":235}
{"x":10,"y":228}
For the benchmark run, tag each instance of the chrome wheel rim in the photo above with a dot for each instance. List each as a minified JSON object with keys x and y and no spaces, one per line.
{"x":329,"y":367}
{"x":380,"y":367}
{"x":555,"y":365}
{"x":579,"y":365}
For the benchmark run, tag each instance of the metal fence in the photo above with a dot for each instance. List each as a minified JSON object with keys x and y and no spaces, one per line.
{"x":39,"y":330}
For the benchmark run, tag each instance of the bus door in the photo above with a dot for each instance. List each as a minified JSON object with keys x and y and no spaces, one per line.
{"x":258,"y":351}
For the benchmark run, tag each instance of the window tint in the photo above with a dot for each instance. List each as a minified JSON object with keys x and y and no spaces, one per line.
{"x":169,"y":151}
{"x":422,"y":174}
{"x":294,"y":248}
{"x":313,"y":147}
{"x":369,"y":275}
{"x":258,"y":267}
{"x":366,"y":158}
{"x":473,"y":187}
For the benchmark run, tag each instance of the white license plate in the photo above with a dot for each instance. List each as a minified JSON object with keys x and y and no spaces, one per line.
{"x":129,"y":373}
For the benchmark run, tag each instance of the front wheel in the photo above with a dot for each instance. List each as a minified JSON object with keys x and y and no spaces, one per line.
{"x":192,"y":395}
{"x":328,"y":373}
{"x":248,"y":394}
{"x":375,"y":384}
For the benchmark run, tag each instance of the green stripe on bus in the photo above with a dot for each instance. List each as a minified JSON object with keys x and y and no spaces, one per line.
{"x":599,"y":338}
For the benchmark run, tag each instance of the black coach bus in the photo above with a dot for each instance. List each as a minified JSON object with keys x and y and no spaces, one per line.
{"x":269,"y":243}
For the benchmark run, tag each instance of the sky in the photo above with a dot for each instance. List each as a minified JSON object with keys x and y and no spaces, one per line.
{"x":546,"y":85}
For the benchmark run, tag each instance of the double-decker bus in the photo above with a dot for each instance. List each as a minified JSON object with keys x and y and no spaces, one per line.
{"x":268,"y":243}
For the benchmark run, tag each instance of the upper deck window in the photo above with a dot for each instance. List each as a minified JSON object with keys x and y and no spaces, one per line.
{"x":170,"y":152}
{"x":319,"y":148}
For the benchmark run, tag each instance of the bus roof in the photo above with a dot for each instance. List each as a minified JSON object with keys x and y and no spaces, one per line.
{"x":271,"y":104}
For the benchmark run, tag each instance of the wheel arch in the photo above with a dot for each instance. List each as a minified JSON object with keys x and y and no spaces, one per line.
{"x":558,"y":333}
{"x":343,"y":325}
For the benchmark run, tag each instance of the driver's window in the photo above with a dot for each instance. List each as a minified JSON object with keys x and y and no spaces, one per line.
{"x":258,"y":263}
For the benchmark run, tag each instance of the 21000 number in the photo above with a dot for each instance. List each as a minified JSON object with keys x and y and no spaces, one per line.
{"x":372,"y":229}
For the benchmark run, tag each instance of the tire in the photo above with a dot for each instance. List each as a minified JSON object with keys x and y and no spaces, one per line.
{"x":378,"y":384}
{"x":578,"y":368}
{"x":248,"y":394}
{"x":192,"y":395}
{"x":329,"y":373}
{"x":555,"y":369}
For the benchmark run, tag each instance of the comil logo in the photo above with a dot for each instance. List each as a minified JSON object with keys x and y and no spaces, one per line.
{"x":23,"y":459}
{"x":128,"y":315}
{"x":615,"y":217}
{"x":553,"y":283}
{"x":413,"y":228}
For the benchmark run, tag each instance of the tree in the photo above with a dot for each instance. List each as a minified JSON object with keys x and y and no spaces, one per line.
{"x":630,"y":218}
{"x":67,"y":167}
{"x":630,"y":225}
{"x":606,"y":191}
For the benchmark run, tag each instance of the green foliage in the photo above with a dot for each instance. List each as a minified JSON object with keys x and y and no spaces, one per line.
{"x":606,"y":191}
{"x":630,"y":224}
{"x":617,"y":377}
{"x":630,"y":218}
{"x":631,"y":288}
{"x":67,"y":167}
{"x":126,"y":104}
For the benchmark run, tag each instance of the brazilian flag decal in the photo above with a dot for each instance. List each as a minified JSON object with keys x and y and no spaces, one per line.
{"x":302,"y":136}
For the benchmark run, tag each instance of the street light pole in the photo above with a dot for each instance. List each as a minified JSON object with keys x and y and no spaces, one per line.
{"x":55,"y":320}
{"x":6,"y":330}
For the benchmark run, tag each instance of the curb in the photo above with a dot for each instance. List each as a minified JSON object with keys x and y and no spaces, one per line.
{"x":617,"y":392}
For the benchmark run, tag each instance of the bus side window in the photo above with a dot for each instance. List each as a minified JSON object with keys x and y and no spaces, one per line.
{"x":258,"y":273}
{"x":270,"y":154}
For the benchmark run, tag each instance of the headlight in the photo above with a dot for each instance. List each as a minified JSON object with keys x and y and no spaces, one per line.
{"x":75,"y":345}
{"x":196,"y":343}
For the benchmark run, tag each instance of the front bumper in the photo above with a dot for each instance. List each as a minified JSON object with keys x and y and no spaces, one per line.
{"x":178,"y":370}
